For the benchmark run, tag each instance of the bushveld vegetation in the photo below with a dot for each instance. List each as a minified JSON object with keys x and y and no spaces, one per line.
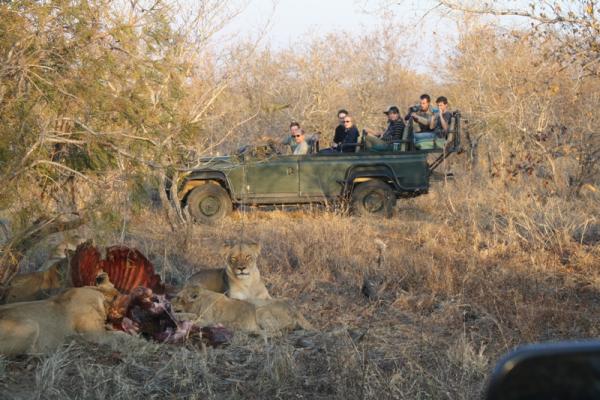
{"x":100,"y":101}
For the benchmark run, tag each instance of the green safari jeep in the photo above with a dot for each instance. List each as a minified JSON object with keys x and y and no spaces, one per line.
{"x":370,"y":181}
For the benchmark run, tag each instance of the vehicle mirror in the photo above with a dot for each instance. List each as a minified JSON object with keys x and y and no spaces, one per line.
{"x":548,"y":371}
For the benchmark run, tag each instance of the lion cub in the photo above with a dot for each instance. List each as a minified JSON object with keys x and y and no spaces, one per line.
{"x":240,"y":279}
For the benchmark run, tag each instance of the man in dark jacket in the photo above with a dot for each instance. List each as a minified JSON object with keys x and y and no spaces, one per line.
{"x":382,"y":141}
{"x":338,"y":136}
{"x":442,"y":118}
{"x":350,"y":135}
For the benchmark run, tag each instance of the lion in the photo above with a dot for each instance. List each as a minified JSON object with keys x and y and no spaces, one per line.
{"x":209,"y":307}
{"x":39,"y":326}
{"x":240,"y":279}
{"x":52,"y":277}
{"x":36,"y":285}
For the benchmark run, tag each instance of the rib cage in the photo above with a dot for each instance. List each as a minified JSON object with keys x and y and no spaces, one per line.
{"x":127,"y":268}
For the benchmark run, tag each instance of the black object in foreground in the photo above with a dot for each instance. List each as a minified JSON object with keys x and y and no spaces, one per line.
{"x":555,"y":371}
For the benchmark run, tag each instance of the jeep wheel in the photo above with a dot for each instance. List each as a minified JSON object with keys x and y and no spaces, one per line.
{"x":373,"y":198}
{"x":209,"y":203}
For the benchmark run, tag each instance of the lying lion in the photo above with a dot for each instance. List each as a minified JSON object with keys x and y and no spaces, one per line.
{"x":52,"y":277}
{"x":38,"y":326}
{"x":211,"y":308}
{"x":240,"y":279}
{"x":36,"y":285}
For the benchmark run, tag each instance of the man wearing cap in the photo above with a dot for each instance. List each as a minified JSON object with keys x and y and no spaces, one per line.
{"x":382,"y":141}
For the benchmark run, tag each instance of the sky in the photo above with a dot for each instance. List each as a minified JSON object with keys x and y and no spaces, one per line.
{"x":289,"y":20}
{"x":284,"y":23}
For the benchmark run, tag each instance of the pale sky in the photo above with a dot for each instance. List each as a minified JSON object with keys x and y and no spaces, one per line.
{"x":284,"y":23}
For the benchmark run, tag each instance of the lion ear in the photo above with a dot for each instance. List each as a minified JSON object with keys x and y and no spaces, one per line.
{"x":256,"y":247}
{"x":226,"y":249}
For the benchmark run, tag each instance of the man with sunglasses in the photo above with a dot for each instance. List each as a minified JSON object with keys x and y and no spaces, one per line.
{"x":290,"y":140}
{"x":301,"y":147}
{"x":383,"y":141}
{"x":349,"y":135}
{"x":338,"y":136}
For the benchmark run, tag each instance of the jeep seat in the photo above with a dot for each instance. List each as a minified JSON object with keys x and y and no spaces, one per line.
{"x":313,"y":143}
{"x":428,"y":141}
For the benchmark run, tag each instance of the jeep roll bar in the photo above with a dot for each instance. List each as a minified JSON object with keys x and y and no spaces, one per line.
{"x":455,"y":132}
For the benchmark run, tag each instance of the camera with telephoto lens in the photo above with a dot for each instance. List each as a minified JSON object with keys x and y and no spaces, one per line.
{"x":414,"y":108}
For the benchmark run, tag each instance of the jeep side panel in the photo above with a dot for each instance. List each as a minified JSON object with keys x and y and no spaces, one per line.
{"x":274,"y":178}
{"x":325,"y":175}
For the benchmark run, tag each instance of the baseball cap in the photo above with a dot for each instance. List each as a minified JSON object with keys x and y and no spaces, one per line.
{"x":392,"y":109}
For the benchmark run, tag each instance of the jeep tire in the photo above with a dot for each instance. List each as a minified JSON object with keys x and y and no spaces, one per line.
{"x":209,"y":203}
{"x":373,"y":197}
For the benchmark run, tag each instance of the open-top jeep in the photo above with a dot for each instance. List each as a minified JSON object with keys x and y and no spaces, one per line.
{"x":370,"y":181}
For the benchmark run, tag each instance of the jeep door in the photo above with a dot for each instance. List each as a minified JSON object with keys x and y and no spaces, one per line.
{"x":274,"y":180}
{"x":322,"y":175}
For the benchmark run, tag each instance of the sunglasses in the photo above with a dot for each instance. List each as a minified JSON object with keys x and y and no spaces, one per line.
{"x":347,"y":120}
{"x":296,"y":135}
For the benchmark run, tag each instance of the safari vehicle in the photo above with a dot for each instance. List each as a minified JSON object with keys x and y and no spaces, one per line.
{"x":369,"y":181}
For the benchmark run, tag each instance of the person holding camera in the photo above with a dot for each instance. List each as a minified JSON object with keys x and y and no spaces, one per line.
{"x":382,"y":141}
{"x":422,"y":115}
{"x":442,"y":118}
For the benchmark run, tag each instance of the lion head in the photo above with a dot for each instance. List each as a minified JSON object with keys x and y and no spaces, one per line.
{"x":186,"y":299}
{"x":241,"y":259}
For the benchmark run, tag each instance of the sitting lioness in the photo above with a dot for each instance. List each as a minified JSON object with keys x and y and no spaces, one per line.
{"x":38,"y":326}
{"x":240,"y":279}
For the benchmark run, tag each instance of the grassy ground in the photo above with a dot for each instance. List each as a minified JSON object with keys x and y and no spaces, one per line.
{"x":469,"y":271}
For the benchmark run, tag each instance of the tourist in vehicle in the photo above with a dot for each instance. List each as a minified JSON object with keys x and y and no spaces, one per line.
{"x":350,"y":136}
{"x":290,"y":140}
{"x":382,"y":141}
{"x":338,"y":136}
{"x":422,"y":115}
{"x":301,"y":147}
{"x":442,"y":118}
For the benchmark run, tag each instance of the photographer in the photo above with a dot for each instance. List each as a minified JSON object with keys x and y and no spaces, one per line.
{"x":422,"y":115}
{"x":442,"y":118}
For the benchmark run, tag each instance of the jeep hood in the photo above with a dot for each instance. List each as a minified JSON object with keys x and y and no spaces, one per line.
{"x":217,"y":161}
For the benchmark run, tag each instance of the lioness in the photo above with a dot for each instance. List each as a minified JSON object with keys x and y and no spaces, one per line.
{"x":212,"y":308}
{"x":37,"y":326}
{"x":240,"y":279}
{"x":35,"y":285}
{"x":52,"y":277}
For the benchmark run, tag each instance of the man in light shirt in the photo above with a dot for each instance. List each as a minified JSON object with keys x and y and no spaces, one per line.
{"x":301,"y":147}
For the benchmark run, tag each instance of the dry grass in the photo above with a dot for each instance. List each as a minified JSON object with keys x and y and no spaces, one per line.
{"x":470,"y":271}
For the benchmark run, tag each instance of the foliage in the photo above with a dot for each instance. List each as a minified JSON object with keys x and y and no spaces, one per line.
{"x":91,"y":87}
{"x":532,"y":94}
